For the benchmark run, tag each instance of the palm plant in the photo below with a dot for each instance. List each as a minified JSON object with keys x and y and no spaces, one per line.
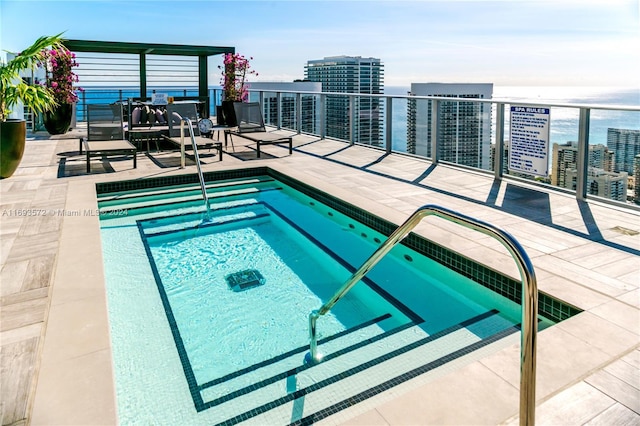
{"x":13,"y":89}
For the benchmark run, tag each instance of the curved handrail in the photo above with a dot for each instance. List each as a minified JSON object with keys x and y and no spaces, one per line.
{"x":529,"y":295}
{"x":203,"y":187}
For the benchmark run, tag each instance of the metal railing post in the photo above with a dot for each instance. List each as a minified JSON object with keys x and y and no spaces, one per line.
{"x":352,"y":120}
{"x":279,"y":110}
{"x":582,"y":162}
{"x":498,"y":167}
{"x":435,"y":155}
{"x":299,"y":113}
{"x":323,"y":115}
{"x":203,"y":187}
{"x":389,"y":126}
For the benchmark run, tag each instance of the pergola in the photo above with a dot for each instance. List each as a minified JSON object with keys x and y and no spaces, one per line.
{"x":144,"y":49}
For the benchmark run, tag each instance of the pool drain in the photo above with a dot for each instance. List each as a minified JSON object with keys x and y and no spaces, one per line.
{"x":243,"y":280}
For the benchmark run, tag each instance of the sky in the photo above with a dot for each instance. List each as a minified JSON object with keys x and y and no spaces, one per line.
{"x":504,"y":42}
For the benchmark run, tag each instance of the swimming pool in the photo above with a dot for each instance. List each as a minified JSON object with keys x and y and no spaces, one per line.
{"x":187,"y":345}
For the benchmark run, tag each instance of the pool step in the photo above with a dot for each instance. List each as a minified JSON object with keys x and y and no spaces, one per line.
{"x":221,"y":214}
{"x":271,"y":371}
{"x":159,"y":202}
{"x":378,"y":364}
{"x":129,"y":214}
{"x":178,"y":189}
{"x":309,"y":410}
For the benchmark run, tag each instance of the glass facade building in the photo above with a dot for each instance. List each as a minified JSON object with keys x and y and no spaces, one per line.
{"x":625,"y":143}
{"x":351,"y":74}
{"x":464,"y":130}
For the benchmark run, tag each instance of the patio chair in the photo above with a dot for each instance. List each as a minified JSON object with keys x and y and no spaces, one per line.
{"x":175,"y":112}
{"x":105,"y":134}
{"x":251,"y":127}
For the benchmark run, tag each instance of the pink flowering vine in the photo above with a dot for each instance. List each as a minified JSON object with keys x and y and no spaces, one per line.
{"x":60,"y":76}
{"x":235,"y":72}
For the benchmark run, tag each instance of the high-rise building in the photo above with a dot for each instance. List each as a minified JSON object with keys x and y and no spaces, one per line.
{"x":351,"y":74}
{"x":565,"y":157}
{"x":309,"y":117}
{"x":601,"y":180}
{"x":601,"y":157}
{"x":464,"y":128}
{"x":625,"y":144}
{"x":604,"y":184}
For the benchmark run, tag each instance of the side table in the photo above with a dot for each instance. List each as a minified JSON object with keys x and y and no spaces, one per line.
{"x":222,"y":128}
{"x":147,"y":134}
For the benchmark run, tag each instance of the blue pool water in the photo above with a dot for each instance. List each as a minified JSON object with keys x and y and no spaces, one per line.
{"x":190,"y":349}
{"x":225,"y":330}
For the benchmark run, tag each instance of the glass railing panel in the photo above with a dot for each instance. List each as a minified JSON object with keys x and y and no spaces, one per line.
{"x":369,"y":121}
{"x":310,"y":114}
{"x":270,"y":108}
{"x":614,"y":156}
{"x":215,"y":99}
{"x":418,"y":137}
{"x":464,"y":133}
{"x":336,"y":116}
{"x":289,"y":111}
{"x":399,"y":127}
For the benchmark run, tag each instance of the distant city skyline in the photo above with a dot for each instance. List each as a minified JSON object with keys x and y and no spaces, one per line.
{"x":507,"y":43}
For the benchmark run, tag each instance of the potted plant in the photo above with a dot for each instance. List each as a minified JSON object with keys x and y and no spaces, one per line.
{"x":13,"y":91}
{"x":59,"y":62}
{"x":236,"y":68}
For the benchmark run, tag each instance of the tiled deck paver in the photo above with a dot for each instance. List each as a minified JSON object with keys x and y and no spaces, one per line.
{"x":27,"y":254}
{"x":51,"y":272}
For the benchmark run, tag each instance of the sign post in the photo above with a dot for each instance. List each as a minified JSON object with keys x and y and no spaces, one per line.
{"x":529,"y":140}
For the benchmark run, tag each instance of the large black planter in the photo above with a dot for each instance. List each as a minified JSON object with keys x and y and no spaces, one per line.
{"x":13,"y":135}
{"x":228,"y":114}
{"x":58,"y":121}
{"x":219,"y":115}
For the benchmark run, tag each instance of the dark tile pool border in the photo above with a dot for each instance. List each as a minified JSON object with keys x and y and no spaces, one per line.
{"x":549,"y":307}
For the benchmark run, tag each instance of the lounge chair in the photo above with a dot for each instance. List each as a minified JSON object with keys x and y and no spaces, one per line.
{"x":188,"y":110}
{"x":105,"y":134}
{"x":251,"y":127}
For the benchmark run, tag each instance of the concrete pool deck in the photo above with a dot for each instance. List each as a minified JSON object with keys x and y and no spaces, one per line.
{"x":56,"y":356}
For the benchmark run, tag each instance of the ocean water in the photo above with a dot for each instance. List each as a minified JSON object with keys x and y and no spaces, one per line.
{"x":563,"y":121}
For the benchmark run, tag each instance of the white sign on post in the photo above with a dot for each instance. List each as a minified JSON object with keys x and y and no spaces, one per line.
{"x":159,"y":99}
{"x":529,"y":140}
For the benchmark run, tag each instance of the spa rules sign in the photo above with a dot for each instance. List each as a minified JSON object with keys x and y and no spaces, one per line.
{"x":529,"y":140}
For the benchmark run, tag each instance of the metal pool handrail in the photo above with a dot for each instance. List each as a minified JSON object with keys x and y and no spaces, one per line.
{"x":529,"y":295}
{"x":203,"y":187}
